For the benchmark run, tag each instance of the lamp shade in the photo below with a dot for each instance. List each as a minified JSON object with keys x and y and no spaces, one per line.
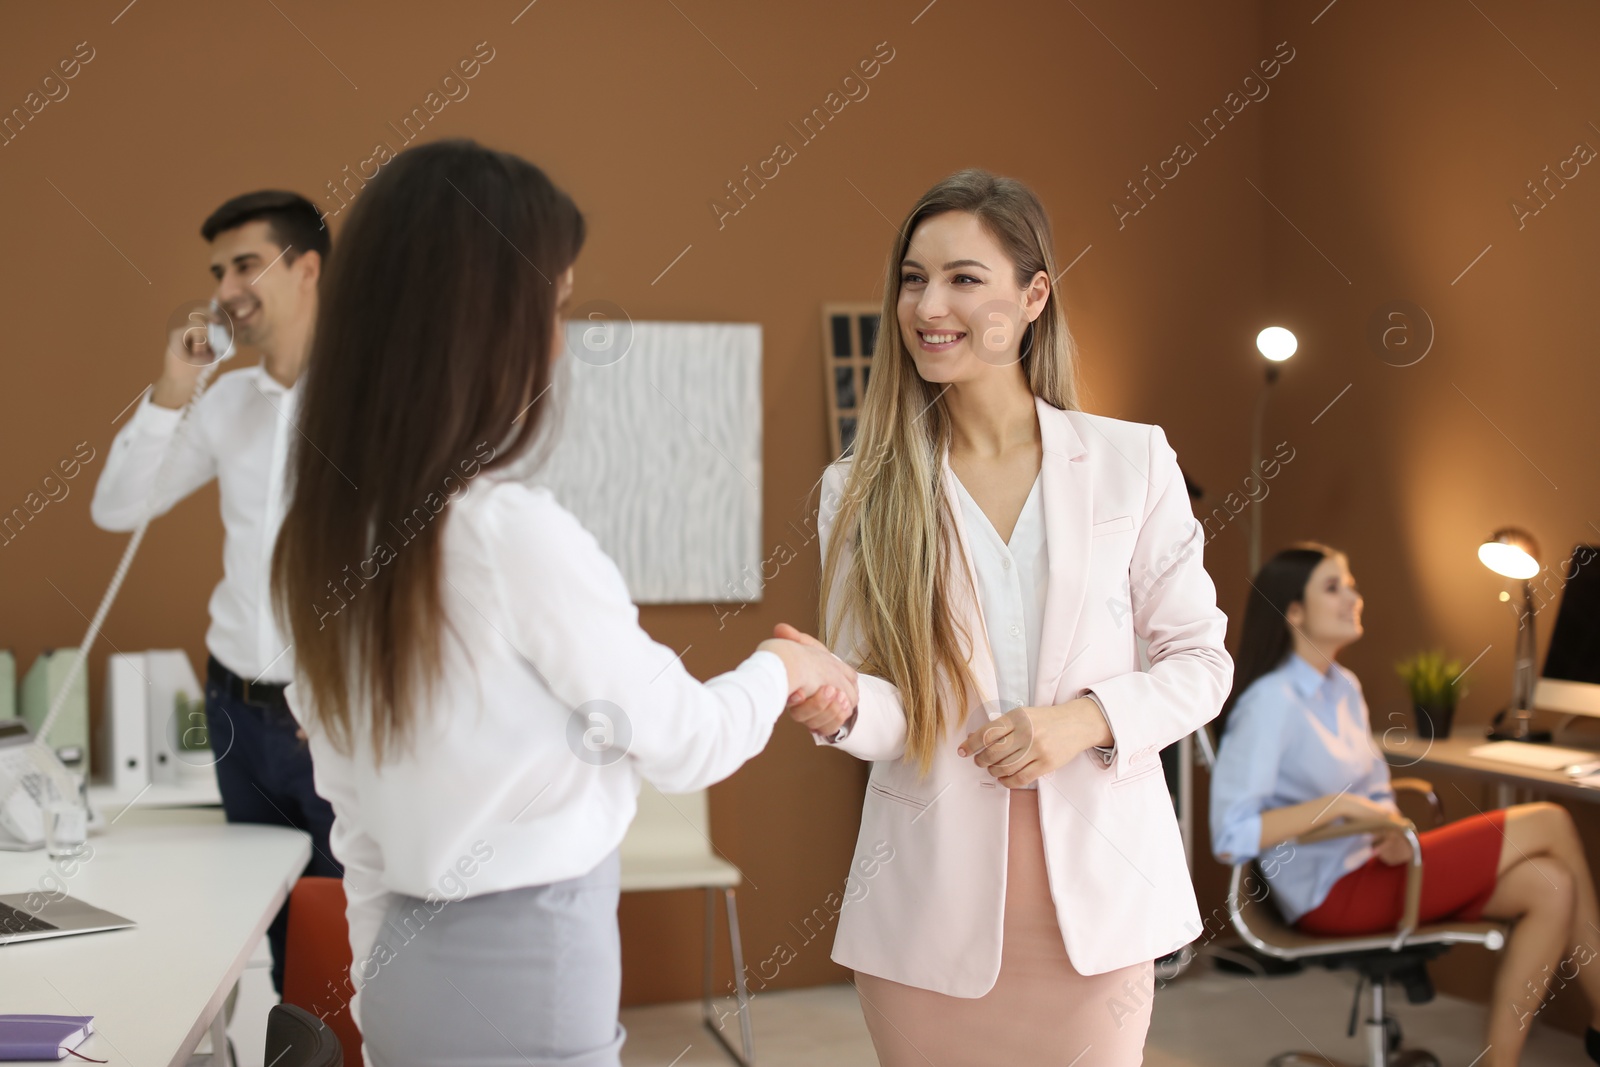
{"x":1511,"y":552}
{"x":1276,"y":343}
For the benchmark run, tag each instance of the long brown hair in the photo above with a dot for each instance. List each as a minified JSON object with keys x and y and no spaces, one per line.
{"x":1265,"y":638}
{"x":433,"y":335}
{"x":894,"y":508}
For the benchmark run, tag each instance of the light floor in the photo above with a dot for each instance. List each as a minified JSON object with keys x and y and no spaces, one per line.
{"x":1206,"y":1018}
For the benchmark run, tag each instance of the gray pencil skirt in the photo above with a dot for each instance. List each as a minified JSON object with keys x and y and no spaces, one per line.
{"x":528,"y":977}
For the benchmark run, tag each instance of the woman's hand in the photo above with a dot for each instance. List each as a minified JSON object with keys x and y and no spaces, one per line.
{"x":1392,"y":847}
{"x":822,"y":686}
{"x":1352,"y":806}
{"x":1025,"y":744}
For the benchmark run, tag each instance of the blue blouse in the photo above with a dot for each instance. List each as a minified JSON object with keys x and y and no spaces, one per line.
{"x":1295,"y":735}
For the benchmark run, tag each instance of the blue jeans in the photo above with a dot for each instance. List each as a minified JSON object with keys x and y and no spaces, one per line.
{"x":264,"y":774}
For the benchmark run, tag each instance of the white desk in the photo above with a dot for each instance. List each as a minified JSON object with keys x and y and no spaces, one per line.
{"x":191,"y":794}
{"x":1408,"y":754}
{"x":203,"y":892}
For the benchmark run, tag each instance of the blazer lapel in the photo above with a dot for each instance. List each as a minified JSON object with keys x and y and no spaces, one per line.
{"x":1068,"y":495}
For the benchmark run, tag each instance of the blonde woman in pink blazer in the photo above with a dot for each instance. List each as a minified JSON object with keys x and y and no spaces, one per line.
{"x":1019,"y":866}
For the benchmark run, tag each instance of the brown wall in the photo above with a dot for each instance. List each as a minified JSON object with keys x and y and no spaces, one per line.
{"x":1399,"y":154}
{"x":1393,"y":149}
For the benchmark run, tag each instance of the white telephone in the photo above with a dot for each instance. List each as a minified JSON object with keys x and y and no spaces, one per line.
{"x":30,"y":773}
{"x":30,"y":777}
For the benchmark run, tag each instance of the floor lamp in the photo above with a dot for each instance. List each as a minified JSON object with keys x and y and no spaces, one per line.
{"x":1514,"y":553}
{"x":1276,"y":344}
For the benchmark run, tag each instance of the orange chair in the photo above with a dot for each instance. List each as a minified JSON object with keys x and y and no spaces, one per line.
{"x":316,"y":967}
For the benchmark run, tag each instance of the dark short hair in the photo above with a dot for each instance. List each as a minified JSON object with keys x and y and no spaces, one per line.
{"x":293,"y":221}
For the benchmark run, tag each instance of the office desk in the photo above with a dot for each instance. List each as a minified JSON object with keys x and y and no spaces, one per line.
{"x":203,"y":892}
{"x":1406,"y":754}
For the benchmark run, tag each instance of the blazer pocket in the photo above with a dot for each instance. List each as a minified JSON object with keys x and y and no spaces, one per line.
{"x":1111,"y":526}
{"x":1139,"y":776}
{"x":898,"y":798}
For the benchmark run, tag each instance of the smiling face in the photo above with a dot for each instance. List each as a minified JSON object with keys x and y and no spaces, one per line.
{"x":1329,"y":614}
{"x":265,"y":295}
{"x":961,"y":313}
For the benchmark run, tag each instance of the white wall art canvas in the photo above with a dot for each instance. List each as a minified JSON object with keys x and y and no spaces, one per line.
{"x":658,"y":453}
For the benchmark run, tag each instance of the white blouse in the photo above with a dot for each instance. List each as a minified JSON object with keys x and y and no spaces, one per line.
{"x":239,"y":434}
{"x":553,"y":705}
{"x":1012,"y":579}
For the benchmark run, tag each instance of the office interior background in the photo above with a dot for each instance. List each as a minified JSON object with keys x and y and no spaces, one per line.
{"x":1401,"y":156}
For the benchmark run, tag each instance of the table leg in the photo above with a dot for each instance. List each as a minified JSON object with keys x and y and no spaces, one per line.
{"x":1505,"y":794}
{"x":219,"y":1040}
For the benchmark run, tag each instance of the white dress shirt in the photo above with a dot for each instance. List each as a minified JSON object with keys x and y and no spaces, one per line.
{"x":1013,"y":578}
{"x":239,"y":433}
{"x":552,"y":706}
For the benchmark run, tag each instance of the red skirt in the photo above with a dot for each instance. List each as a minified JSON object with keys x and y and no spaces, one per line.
{"x":1460,"y":862}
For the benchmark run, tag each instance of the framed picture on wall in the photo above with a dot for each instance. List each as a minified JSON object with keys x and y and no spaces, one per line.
{"x":849,"y":332}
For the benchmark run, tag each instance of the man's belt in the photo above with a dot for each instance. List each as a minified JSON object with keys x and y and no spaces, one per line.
{"x":263,"y":693}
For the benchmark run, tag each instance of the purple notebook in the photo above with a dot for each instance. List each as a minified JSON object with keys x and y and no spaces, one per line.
{"x":42,"y":1037}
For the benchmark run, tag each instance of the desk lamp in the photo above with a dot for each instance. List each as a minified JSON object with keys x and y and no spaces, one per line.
{"x":1512,"y":552}
{"x":1276,"y":344}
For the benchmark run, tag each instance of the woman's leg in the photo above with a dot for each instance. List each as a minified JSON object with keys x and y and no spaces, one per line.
{"x":1543,"y":882}
{"x":1538,"y":894}
{"x":1546,"y":829}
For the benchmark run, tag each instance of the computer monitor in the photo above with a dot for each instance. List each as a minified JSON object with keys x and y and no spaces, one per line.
{"x":1570,"y":681}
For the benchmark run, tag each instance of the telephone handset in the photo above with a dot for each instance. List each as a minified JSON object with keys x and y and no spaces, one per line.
{"x":219,"y":334}
{"x":206,"y":331}
{"x":30,"y":777}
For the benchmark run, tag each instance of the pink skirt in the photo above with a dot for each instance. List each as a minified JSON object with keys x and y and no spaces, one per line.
{"x":1041,"y":1011}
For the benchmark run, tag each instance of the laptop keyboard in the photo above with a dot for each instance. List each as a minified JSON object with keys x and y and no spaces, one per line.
{"x":16,"y":921}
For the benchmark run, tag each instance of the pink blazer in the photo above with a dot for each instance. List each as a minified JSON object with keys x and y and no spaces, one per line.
{"x":926,"y":889}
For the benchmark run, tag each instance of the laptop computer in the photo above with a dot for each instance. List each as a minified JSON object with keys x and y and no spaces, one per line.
{"x":56,"y":918}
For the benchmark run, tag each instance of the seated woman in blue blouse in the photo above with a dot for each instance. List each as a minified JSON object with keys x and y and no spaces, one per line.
{"x":1297,"y":752}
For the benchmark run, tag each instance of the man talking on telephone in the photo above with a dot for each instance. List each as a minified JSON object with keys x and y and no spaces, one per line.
{"x":267,"y":252}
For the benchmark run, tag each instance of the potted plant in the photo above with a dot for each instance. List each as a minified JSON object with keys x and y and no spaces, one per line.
{"x":1435,"y":689}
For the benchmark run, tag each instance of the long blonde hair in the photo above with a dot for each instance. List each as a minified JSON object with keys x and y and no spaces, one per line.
{"x":894,"y":513}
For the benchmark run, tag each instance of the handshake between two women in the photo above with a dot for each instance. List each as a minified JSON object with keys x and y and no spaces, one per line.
{"x":822,"y":687}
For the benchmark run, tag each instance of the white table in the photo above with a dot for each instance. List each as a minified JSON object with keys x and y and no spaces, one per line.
{"x":195,"y":793}
{"x":202,"y":891}
{"x":1510,"y":780}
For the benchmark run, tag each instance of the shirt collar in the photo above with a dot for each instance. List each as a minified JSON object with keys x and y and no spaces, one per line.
{"x":1305,"y":678}
{"x":267,"y":384}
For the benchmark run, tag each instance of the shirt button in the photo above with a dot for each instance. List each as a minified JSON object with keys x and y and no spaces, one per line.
{"x":1005,"y":563}
{"x":1016,"y":631}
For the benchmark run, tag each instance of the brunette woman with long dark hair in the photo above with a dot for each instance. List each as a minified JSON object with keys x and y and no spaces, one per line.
{"x":480,"y":700}
{"x":1297,"y":752}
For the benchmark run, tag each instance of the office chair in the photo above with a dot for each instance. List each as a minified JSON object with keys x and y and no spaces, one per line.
{"x":1401,"y":954}
{"x":316,"y":965}
{"x":296,"y":1038}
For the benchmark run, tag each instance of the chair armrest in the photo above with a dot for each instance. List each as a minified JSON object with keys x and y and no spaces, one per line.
{"x":1424,"y":788}
{"x":1351,"y":827}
